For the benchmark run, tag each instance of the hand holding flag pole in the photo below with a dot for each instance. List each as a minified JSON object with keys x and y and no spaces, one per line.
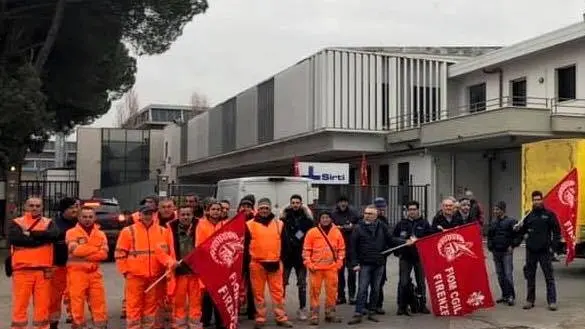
{"x":168,"y":271}
{"x":408,"y":242}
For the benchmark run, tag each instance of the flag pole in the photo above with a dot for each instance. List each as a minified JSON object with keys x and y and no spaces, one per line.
{"x":386,"y":252}
{"x":160,"y":279}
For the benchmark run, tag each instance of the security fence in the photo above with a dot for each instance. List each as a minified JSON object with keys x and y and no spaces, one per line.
{"x":50,"y":191}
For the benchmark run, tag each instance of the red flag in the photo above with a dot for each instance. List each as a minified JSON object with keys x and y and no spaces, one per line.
{"x":296,"y":167}
{"x":219,"y":261}
{"x":364,"y":172}
{"x":562,"y":200}
{"x":454,"y":266}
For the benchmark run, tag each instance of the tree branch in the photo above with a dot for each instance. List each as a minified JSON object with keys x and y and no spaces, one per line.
{"x":51,"y":36}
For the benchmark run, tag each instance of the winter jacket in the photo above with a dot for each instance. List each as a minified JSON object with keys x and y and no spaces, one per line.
{"x":543,"y":230}
{"x":407,"y":228}
{"x":342,"y":219}
{"x":61,"y":253}
{"x":441,"y":220}
{"x":368,"y":241}
{"x":173,"y":226}
{"x":501,"y":234}
{"x":296,"y":225}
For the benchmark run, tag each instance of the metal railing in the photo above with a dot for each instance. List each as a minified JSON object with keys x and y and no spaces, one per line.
{"x":409,"y":120}
{"x":51,"y":193}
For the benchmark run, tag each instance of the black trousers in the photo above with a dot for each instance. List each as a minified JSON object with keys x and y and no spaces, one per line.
{"x":209,"y":311}
{"x":351,"y":282}
{"x":405,"y":268}
{"x":533,"y":259}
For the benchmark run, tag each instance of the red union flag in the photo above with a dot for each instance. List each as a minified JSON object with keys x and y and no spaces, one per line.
{"x":562,"y":200}
{"x":454,"y":266}
{"x":364,"y":172}
{"x":219,"y":262}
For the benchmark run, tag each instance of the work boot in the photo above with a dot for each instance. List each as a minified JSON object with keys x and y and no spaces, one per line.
{"x":356,"y":319}
{"x":528,"y":306}
{"x":552,"y":307}
{"x":314,"y":322}
{"x":331,"y":318}
{"x":284,"y":324}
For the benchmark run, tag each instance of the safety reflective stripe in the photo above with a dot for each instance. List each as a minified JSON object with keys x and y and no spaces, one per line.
{"x":140,"y":252}
{"x":19,"y":324}
{"x":120,"y":253}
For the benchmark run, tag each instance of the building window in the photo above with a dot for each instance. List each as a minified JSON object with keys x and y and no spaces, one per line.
{"x":165,"y":115}
{"x":566,"y":83}
{"x":166,"y":150}
{"x":125,"y":156}
{"x":477,"y":94}
{"x":518,"y":92}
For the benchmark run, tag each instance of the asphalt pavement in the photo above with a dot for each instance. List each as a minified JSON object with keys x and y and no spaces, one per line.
{"x":570,"y":287}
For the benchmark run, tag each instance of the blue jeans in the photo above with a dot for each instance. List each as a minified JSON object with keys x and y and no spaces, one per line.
{"x":370,"y":276}
{"x":504,"y":262}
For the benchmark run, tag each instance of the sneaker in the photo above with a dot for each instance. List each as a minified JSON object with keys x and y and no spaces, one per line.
{"x":284,"y":324}
{"x":356,"y":319}
{"x":511,"y":302}
{"x":528,"y":306}
{"x":552,"y":307}
{"x":302,"y":314}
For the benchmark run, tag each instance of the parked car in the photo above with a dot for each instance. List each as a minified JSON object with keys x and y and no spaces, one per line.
{"x":110,"y":219}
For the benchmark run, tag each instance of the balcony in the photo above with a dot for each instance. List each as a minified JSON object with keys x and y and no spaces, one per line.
{"x":492,"y":124}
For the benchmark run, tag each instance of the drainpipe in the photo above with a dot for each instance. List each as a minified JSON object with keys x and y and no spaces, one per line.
{"x":501,"y":83}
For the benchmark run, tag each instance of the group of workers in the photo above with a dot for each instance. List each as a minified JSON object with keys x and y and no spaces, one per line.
{"x":58,"y":260}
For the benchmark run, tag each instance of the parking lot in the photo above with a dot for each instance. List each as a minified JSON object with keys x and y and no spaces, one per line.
{"x":570,"y":285}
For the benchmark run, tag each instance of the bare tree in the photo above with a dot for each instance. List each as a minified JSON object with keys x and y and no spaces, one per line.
{"x":199,"y":101}
{"x":127,"y":107}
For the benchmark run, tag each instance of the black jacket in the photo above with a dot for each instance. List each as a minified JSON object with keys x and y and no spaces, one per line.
{"x":295,"y":228}
{"x":368,"y":241}
{"x":16,"y":236}
{"x":342,"y":218}
{"x":501,"y":234}
{"x":182,"y":269}
{"x":542,"y":230}
{"x":407,"y":228}
{"x":61,"y":252}
{"x":441,"y":220}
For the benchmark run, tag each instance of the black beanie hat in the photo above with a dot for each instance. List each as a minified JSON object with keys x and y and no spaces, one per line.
{"x":65,"y":203}
{"x":251,"y":198}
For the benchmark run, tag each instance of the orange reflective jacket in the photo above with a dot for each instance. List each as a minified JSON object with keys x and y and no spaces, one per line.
{"x":205,"y":228}
{"x":317,"y":255}
{"x":32,"y":257}
{"x":86,"y":250}
{"x":265,"y":241}
{"x":143,"y":251}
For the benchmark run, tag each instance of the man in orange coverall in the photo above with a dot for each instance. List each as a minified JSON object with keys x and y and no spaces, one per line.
{"x":263,"y":244}
{"x":323,"y":255}
{"x":31,"y":239}
{"x":87,"y":246}
{"x":165,"y":214}
{"x":142,"y":256}
{"x":187,"y":290}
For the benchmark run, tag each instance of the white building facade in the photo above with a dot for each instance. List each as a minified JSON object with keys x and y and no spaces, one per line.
{"x":449,"y":119}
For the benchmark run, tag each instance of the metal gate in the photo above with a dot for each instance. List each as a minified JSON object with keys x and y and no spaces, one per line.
{"x":50,"y":192}
{"x":201,"y":190}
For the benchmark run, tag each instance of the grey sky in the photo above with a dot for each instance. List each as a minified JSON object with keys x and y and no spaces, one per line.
{"x":239,"y":43}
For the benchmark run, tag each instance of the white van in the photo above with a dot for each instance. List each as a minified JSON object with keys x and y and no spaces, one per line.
{"x":276,"y":188}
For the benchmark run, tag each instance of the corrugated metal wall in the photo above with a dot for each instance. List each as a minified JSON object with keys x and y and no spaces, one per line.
{"x":266,"y":111}
{"x":216,"y":129}
{"x":229,"y":125}
{"x":247,"y":118}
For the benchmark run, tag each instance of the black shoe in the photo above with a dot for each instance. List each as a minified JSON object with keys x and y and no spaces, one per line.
{"x":54,"y":325}
{"x":402,"y":311}
{"x":352,"y":301}
{"x":528,"y":306}
{"x":355,"y":320}
{"x":380,"y":311}
{"x":373,"y":318}
{"x":511,"y":302}
{"x":502,"y":300}
{"x":341,"y":301}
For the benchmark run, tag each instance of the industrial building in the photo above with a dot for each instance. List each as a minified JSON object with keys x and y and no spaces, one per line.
{"x":438,"y":120}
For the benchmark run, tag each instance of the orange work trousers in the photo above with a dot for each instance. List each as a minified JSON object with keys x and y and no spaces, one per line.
{"x":317,"y":279}
{"x":84,"y":285}
{"x":140,"y":306}
{"x":59,"y":294}
{"x":187,"y":315}
{"x":27,"y":284}
{"x":259,"y":278}
{"x":163,"y":309}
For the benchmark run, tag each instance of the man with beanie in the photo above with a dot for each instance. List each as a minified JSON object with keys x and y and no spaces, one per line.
{"x":66,"y":219}
{"x":346,"y":218}
{"x":263,"y":245}
{"x":297,"y":221}
{"x":501,"y":242}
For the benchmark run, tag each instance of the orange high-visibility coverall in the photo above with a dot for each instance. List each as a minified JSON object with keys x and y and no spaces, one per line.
{"x":185,"y":290}
{"x":265,"y":247}
{"x":323,"y":265}
{"x":84,"y":278}
{"x":163,"y":288}
{"x":32,"y":261}
{"x":59,"y":294}
{"x":141,"y":256}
